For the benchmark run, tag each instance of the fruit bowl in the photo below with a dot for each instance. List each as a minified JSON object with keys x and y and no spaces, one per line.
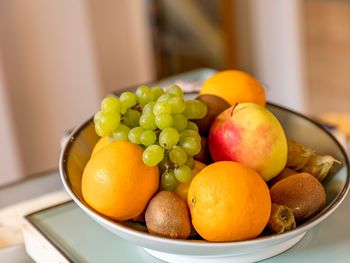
{"x":77,"y":150}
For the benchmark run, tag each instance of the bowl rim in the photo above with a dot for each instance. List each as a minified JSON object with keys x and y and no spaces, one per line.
{"x":128,"y":231}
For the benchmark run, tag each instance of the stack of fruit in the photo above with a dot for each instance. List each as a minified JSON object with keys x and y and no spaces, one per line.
{"x":201,"y":167}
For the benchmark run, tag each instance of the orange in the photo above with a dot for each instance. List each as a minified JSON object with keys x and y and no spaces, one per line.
{"x":102,"y":142}
{"x":117,"y":183}
{"x":229,"y":202}
{"x":234,"y":86}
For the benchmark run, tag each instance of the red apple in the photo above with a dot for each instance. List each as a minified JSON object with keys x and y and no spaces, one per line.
{"x":250,"y":134}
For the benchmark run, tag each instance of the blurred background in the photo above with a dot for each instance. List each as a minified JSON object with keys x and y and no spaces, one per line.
{"x":58,"y":59}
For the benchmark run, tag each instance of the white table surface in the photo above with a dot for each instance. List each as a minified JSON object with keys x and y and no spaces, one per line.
{"x":30,"y":188}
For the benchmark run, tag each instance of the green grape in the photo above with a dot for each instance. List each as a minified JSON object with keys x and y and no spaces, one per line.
{"x":124,"y":109}
{"x":144,"y":95}
{"x":165,"y":97}
{"x":201,"y":108}
{"x":192,"y":110}
{"x":131,"y":118}
{"x":195,"y":109}
{"x":109,"y":121}
{"x":178,"y":155}
{"x":134,"y":135}
{"x":169,"y":181}
{"x":164,"y":120}
{"x":183,"y":174}
{"x":190,"y":162}
{"x":97,"y":117}
{"x":191,"y":145}
{"x":157,"y":92}
{"x":111,"y":104}
{"x":128,"y":99}
{"x":176,"y":90}
{"x":168,"y":138}
{"x":190,"y":133}
{"x":121,"y":133}
{"x":153,"y":155}
{"x":161,"y":107}
{"x":147,"y":121}
{"x":148,"y":108}
{"x":192,"y":126}
{"x":177,"y":104}
{"x":148,"y":138}
{"x":179,"y":122}
{"x":99,"y":131}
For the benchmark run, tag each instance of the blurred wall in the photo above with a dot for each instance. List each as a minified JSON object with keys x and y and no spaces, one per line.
{"x":300,"y":49}
{"x":278,"y":48}
{"x":11,"y":168}
{"x":328,"y":60}
{"x":123,"y":42}
{"x":270,"y":45}
{"x":58,"y":59}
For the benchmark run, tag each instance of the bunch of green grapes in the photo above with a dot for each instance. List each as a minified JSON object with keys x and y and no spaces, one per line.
{"x":160,"y":121}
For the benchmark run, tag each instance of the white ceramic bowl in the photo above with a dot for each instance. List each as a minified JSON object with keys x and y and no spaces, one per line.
{"x":76,"y":152}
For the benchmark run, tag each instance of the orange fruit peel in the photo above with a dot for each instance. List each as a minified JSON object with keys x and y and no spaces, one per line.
{"x":229,"y":202}
{"x":234,"y":86}
{"x":117,"y":183}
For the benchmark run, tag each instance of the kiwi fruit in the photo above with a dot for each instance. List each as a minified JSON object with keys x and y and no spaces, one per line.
{"x":167,"y":215}
{"x":215,"y":106}
{"x":286,"y":172}
{"x":302,"y":193}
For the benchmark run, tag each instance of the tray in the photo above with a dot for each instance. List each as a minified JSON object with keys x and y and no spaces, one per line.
{"x":77,"y":238}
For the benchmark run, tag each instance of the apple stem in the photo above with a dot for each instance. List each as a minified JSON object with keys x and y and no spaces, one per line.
{"x":233,"y":108}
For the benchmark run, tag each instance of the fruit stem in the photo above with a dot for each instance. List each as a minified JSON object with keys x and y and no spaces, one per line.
{"x":137,"y":107}
{"x":157,"y":132}
{"x":233,"y":108}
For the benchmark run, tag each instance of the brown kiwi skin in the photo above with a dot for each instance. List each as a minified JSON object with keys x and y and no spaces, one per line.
{"x":215,"y":106}
{"x":167,"y":215}
{"x":302,"y":193}
{"x":286,"y":172}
